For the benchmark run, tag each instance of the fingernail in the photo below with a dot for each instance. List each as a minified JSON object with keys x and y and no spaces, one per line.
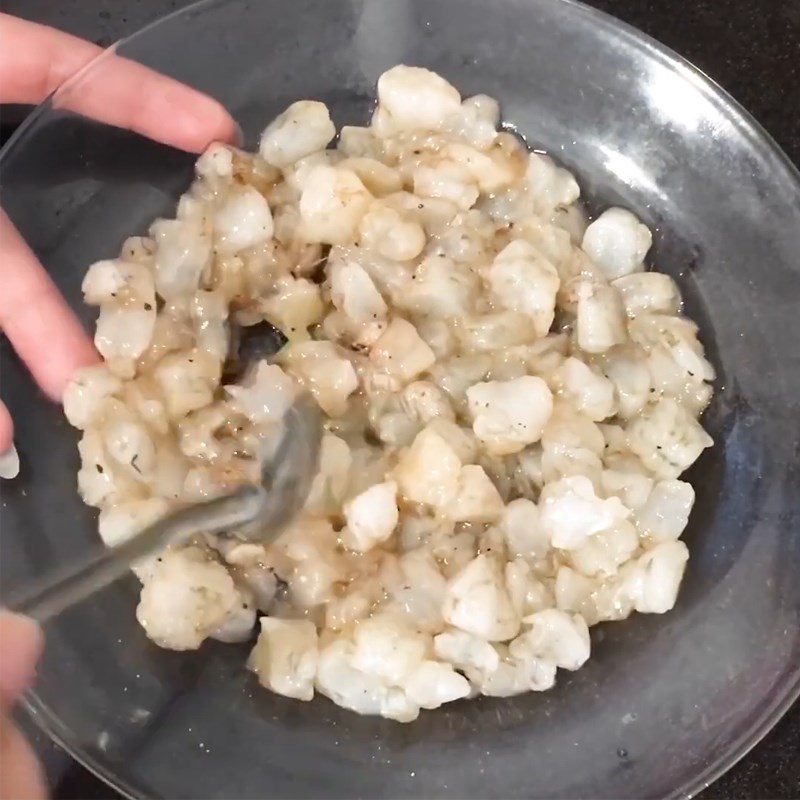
{"x":23,"y":643}
{"x":19,"y":626}
{"x":238,"y":135}
{"x":9,"y":463}
{"x":24,"y":633}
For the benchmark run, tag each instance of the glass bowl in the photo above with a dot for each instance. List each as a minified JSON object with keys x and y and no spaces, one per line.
{"x":666,"y":703}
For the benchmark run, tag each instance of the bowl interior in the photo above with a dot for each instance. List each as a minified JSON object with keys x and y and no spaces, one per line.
{"x":665,"y":703}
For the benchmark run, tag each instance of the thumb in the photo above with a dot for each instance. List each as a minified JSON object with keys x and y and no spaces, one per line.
{"x":9,"y":459}
{"x":21,"y":645}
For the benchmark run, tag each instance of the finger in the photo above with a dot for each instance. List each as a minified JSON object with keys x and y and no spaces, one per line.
{"x":6,"y":431}
{"x":127,"y":95}
{"x":36,"y":60}
{"x":21,"y":775}
{"x":36,"y":318}
{"x":9,"y":458}
{"x":22,"y":644}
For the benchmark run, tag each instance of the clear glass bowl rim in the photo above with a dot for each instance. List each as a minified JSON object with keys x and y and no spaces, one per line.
{"x":49,"y":722}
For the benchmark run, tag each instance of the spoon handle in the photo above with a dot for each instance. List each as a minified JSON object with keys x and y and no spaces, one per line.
{"x":64,"y":587}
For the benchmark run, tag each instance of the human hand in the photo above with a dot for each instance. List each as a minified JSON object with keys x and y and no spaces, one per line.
{"x":20,"y":646}
{"x":34,"y":61}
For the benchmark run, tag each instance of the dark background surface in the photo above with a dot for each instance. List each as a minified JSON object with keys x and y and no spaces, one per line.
{"x":750,"y":47}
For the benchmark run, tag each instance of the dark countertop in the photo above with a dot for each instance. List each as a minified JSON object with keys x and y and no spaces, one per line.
{"x":750,"y":47}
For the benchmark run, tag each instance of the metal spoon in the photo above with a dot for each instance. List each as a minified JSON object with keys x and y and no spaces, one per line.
{"x":253,"y":513}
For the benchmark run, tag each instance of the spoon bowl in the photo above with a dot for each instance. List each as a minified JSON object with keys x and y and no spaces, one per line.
{"x":252,"y":513}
